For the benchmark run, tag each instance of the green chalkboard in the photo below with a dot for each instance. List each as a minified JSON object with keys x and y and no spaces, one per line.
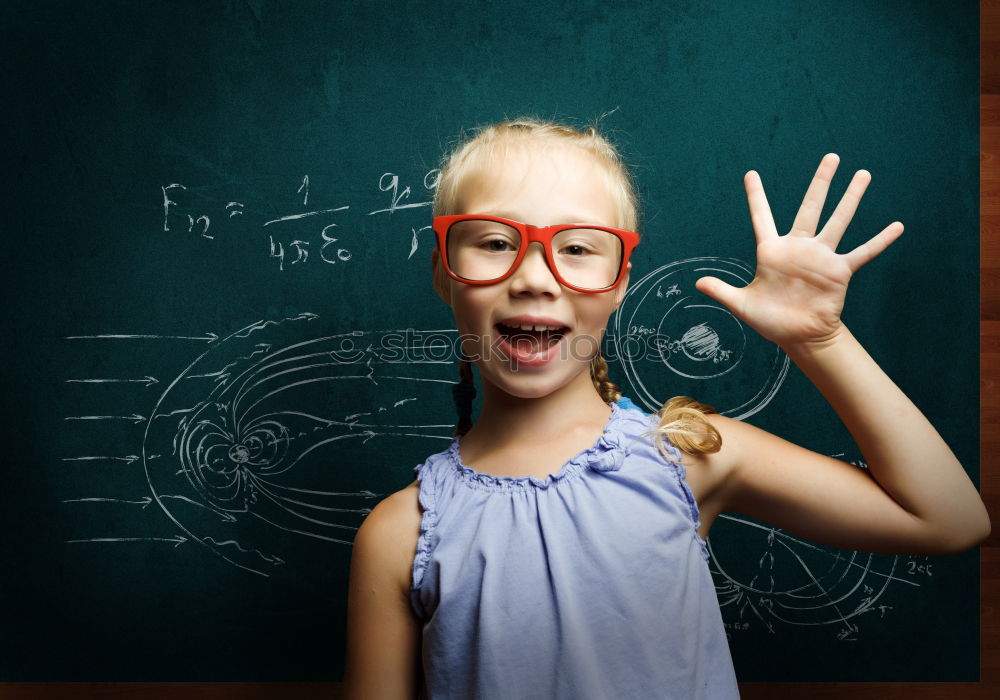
{"x":225,"y":348}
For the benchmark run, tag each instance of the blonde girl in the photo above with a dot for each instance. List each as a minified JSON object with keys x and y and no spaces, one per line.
{"x":556,"y":548}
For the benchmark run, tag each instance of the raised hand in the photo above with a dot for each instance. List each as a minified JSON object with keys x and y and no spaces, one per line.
{"x":798,"y":291}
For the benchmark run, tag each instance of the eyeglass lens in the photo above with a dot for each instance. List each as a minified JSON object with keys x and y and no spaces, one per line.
{"x":481,"y":250}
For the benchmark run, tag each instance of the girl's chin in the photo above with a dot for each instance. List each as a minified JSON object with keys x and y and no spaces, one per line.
{"x":527,"y":391}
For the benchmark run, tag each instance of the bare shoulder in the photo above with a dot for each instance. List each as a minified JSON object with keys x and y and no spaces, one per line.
{"x":383,"y":631}
{"x":402,"y":503}
{"x":392,"y":529}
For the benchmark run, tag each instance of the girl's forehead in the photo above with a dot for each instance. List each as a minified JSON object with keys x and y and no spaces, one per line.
{"x":522,"y":172}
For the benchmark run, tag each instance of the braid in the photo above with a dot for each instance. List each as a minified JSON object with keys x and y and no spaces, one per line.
{"x":682,"y":421}
{"x":463,"y":393}
{"x":608,"y":390}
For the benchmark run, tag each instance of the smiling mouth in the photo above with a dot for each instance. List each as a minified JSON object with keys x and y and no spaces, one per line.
{"x":531,"y":341}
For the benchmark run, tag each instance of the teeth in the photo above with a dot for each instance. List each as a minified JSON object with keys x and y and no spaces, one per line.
{"x":529,"y":327}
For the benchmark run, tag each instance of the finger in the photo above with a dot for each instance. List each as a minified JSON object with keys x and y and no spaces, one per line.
{"x":760,"y":212}
{"x":866,"y":251}
{"x":835,"y":226}
{"x":807,"y":217}
{"x":720,"y":291}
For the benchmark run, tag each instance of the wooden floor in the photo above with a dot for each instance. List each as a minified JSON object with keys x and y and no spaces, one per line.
{"x":989,"y":685}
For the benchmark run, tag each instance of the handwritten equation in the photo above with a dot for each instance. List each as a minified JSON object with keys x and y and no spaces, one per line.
{"x":178,"y":214}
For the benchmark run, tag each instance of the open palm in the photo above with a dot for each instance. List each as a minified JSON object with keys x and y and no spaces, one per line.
{"x":798,"y":290}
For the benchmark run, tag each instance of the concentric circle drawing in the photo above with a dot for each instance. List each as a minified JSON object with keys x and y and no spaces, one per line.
{"x":236,"y":461}
{"x":666,"y":328}
{"x":780,"y":579}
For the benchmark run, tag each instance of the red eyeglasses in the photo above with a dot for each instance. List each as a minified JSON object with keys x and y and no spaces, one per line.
{"x":482,"y":249}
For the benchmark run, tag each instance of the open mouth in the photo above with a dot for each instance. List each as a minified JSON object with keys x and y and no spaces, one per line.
{"x":530,"y":341}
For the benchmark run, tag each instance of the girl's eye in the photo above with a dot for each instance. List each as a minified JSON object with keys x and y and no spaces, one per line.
{"x":576,"y":251}
{"x":492,"y":247}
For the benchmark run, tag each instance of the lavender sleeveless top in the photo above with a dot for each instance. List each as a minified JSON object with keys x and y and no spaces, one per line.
{"x":590,"y":584}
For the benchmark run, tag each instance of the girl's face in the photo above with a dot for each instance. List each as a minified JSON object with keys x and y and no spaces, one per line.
{"x":557,"y":185}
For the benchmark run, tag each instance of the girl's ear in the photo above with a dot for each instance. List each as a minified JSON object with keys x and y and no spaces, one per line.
{"x":623,"y":287}
{"x":442,"y":283}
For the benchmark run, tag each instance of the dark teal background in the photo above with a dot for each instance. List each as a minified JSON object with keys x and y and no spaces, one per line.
{"x":115,"y":568}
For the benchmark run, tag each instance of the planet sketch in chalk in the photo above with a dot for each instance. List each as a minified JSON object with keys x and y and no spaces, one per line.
{"x":666,"y":329}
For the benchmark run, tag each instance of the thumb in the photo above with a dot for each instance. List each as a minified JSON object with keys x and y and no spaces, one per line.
{"x":720,"y":291}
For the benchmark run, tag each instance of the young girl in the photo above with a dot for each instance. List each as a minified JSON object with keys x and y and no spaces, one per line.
{"x":556,"y":548}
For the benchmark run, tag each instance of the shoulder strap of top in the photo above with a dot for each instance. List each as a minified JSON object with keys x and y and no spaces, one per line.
{"x":674,"y":462}
{"x":626,"y":402}
{"x":429,"y":474}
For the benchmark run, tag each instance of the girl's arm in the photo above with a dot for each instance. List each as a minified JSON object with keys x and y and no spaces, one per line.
{"x":383,"y":633}
{"x":916,"y":498}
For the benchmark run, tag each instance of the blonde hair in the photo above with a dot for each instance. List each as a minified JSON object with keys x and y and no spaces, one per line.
{"x":683,"y":423}
{"x":488,"y":143}
{"x":682,"y":419}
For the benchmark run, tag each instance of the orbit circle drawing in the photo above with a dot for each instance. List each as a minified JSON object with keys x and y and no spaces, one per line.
{"x":783,"y":579}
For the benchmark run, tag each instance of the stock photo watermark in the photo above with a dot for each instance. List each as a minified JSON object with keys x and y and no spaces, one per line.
{"x":413,"y":346}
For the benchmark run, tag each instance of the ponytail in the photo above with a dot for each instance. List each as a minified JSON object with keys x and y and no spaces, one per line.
{"x":683,"y":423}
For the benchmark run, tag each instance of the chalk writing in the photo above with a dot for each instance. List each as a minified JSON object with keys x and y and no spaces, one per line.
{"x":177,"y":203}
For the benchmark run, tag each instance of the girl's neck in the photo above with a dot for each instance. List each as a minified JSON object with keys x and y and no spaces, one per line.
{"x":507,"y":421}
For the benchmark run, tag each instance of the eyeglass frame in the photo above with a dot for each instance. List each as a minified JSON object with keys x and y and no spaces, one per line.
{"x":541,"y":234}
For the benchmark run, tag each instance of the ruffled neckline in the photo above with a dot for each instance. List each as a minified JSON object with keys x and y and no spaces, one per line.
{"x":606,"y":454}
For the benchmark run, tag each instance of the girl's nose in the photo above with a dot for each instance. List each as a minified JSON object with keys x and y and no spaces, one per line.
{"x":533,"y":273}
